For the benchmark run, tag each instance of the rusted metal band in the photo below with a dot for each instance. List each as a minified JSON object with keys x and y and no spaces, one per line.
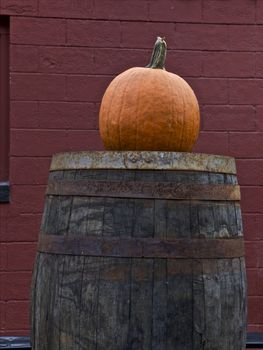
{"x":143,"y":160}
{"x":141,"y":247}
{"x":137,"y":189}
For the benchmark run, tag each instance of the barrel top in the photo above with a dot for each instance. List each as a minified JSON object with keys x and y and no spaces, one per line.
{"x":143,"y":160}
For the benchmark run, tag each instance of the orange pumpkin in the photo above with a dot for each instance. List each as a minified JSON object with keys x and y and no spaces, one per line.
{"x":149,"y":109}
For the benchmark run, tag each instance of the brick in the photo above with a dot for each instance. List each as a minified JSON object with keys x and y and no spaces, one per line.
{"x":18,"y":7}
{"x":258,"y":37}
{"x":83,"y":140}
{"x":21,"y":256}
{"x":37,"y":31}
{"x":115,"y":61}
{"x":29,"y":170}
{"x":28,"y":199}
{"x":147,"y":32}
{"x":87,"y":88}
{"x":23,"y":114}
{"x":252,"y":281}
{"x":245,"y":91}
{"x":253,"y":226}
{"x":252,"y":199}
{"x":137,"y":10}
{"x":93,"y":33}
{"x":229,"y":118}
{"x":201,"y":36}
{"x":254,"y":258}
{"x":38,"y":142}
{"x":259,"y":12}
{"x":255,"y":310}
{"x":212,"y":143}
{"x":23,"y":58}
{"x":17,"y":315}
{"x":259,"y":118}
{"x":246,"y":144}
{"x":68,"y":115}
{"x":210,"y":90}
{"x":250,"y":171}
{"x":47,"y":142}
{"x":54,"y":115}
{"x":241,"y":37}
{"x":66,"y":60}
{"x":3,"y":256}
{"x":175,"y":10}
{"x":231,"y":11}
{"x":22,"y":227}
{"x":259,"y":282}
{"x":229,"y":64}
{"x":15,"y":285}
{"x":37,"y":87}
{"x":259,"y":64}
{"x":184,"y":64}
{"x":4,"y":211}
{"x":65,"y":8}
{"x":2,"y":315}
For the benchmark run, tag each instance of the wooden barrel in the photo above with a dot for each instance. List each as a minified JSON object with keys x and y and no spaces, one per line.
{"x":140,"y":251}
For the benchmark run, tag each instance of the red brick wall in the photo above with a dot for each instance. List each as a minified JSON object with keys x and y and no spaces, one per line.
{"x":64,"y":53}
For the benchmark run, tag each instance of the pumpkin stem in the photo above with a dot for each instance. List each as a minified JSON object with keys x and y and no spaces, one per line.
{"x":158,"y":54}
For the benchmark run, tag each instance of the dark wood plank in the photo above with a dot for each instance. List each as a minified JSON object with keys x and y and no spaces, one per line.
{"x":143,"y":218}
{"x":160,"y":282}
{"x":70,"y":292}
{"x":86,"y":216}
{"x":178,"y":219}
{"x":55,"y":175}
{"x":44,"y":221}
{"x":159,"y":305}
{"x":148,"y":175}
{"x":33,"y":301}
{"x":43,"y":295}
{"x":89,"y":303}
{"x":141,"y":305}
{"x":233,"y":222}
{"x":199,"y":322}
{"x":160,"y":218}
{"x":206,"y":220}
{"x":239,"y":219}
{"x":212,"y":304}
{"x":91,"y":174}
{"x":180,"y":306}
{"x":221,"y":215}
{"x":55,"y":310}
{"x":243,"y":302}
{"x":113,"y":304}
{"x":238,"y":316}
{"x":118,"y":219}
{"x":216,"y":178}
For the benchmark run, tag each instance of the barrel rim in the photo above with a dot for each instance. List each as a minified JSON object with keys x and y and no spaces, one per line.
{"x":143,"y":160}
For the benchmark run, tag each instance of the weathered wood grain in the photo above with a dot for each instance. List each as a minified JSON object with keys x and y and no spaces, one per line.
{"x":88,"y":319}
{"x":113,"y":304}
{"x":199,"y":321}
{"x":180,"y":305}
{"x":70,"y":293}
{"x":141,"y":304}
{"x":105,"y":303}
{"x":160,"y":305}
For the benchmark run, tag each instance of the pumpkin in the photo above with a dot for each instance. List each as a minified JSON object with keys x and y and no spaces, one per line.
{"x":149,"y":108}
